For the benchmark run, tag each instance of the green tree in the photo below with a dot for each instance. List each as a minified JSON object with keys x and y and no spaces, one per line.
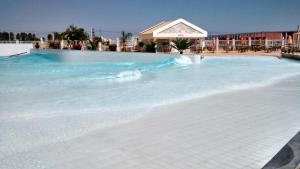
{"x":49,"y":37}
{"x":23,"y":36}
{"x":181,"y":44}
{"x":74,"y":33}
{"x":124,"y":38}
{"x":29,"y":37}
{"x":57,"y":36}
{"x":11,"y":36}
{"x":5,"y":36}
{"x":18,"y":37}
{"x":34,"y":37}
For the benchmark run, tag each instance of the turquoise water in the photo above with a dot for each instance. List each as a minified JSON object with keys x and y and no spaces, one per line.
{"x":45,"y":99}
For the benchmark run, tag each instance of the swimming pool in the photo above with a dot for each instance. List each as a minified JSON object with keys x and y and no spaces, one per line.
{"x":51,"y":96}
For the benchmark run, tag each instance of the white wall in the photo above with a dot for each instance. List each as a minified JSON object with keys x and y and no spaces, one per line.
{"x":12,"y":49}
{"x":96,"y":56}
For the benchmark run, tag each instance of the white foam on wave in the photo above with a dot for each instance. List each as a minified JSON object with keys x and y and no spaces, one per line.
{"x":197,"y":59}
{"x":183,"y":60}
{"x":128,"y":75}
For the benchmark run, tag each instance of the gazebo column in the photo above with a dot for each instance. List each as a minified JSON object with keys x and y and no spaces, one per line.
{"x":202,"y":44}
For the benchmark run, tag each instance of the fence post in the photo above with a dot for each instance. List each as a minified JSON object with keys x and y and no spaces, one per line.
{"x":118,"y":45}
{"x":233,"y":44}
{"x":266,"y":43}
{"x":249,"y":42}
{"x":62,"y":44}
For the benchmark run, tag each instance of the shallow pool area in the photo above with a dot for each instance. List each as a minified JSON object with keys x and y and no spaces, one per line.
{"x":48,"y":97}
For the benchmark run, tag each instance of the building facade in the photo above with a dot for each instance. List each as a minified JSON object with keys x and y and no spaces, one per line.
{"x":164,"y":32}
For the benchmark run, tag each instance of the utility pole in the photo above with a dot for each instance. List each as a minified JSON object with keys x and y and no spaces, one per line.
{"x":92,"y":35}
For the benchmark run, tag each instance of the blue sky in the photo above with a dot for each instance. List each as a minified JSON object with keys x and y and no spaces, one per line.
{"x":216,"y":16}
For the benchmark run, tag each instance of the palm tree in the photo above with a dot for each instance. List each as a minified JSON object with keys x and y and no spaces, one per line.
{"x":124,"y":38}
{"x":74,"y":33}
{"x":181,"y":44}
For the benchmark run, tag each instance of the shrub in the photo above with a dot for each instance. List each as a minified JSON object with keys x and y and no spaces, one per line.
{"x":54,"y":45}
{"x":91,"y":45}
{"x":164,"y":46}
{"x":112,"y":47}
{"x":150,"y":47}
{"x":141,"y":44}
{"x":76,"y":47}
{"x":37,"y":45}
{"x":181,"y":44}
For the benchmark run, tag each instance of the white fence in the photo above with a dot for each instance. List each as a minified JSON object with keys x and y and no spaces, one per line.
{"x":8,"y":48}
{"x":247,"y":44}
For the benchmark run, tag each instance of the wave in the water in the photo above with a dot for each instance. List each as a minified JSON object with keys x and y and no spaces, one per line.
{"x":183,"y":60}
{"x":131,"y":75}
{"x":134,"y":71}
{"x":125,"y":76}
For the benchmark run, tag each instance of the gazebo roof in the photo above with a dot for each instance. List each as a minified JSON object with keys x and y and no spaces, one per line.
{"x":179,"y":28}
{"x":155,"y":27}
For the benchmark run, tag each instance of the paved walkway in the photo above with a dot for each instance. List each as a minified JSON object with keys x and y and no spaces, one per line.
{"x":238,"y":130}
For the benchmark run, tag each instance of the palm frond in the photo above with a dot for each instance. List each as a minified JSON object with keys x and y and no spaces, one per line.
{"x":181,"y":44}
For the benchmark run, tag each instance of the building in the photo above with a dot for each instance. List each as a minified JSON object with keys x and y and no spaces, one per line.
{"x":277,"y":35}
{"x":164,"y":32}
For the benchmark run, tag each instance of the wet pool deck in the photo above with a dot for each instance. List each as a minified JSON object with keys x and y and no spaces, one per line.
{"x":288,"y":157}
{"x":295,"y":56}
{"x":238,"y":130}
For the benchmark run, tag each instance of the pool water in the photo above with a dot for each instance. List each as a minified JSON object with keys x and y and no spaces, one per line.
{"x":45,"y":99}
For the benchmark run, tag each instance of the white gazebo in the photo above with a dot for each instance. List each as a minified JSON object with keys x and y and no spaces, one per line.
{"x":165,"y":32}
